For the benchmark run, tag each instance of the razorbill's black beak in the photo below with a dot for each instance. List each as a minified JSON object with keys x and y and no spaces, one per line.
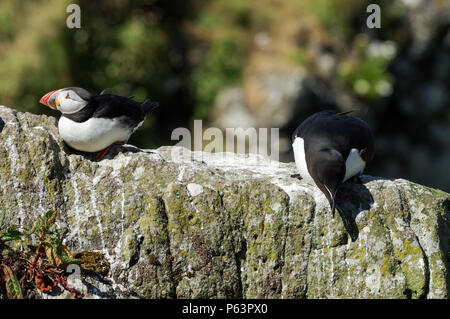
{"x":330,"y":194}
{"x":49,"y":100}
{"x":333,"y":204}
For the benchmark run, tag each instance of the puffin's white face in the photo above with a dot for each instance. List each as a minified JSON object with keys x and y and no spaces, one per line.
{"x":69,"y":102}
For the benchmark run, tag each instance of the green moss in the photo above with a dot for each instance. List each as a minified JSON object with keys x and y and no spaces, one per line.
{"x":439,"y":278}
{"x":410,"y":255}
{"x":426,"y":194}
{"x":358,"y":253}
{"x":93,"y":262}
{"x":386,"y":268}
{"x":408,"y":249}
{"x":273,"y":256}
{"x":129,"y":242}
{"x":181,"y":253}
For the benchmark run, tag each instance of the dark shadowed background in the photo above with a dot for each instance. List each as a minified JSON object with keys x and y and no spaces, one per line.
{"x":265,"y":63}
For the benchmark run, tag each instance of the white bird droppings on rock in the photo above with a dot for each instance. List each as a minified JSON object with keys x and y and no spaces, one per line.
{"x":195,"y":189}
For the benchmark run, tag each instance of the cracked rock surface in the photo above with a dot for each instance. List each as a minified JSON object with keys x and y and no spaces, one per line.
{"x":178,"y":224}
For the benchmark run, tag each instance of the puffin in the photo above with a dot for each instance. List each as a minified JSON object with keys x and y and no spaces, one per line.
{"x":331,"y":148}
{"x":95,"y":123}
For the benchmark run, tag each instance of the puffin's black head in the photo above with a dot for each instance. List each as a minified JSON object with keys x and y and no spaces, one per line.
{"x":327,"y":168}
{"x":68,"y":100}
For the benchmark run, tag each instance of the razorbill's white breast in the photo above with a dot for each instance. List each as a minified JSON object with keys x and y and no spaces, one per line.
{"x":330,"y":148}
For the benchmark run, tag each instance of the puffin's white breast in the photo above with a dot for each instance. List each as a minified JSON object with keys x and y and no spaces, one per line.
{"x":300,"y":160}
{"x":354,"y":164}
{"x":92,"y":135}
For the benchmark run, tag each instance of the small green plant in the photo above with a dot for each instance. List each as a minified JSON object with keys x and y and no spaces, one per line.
{"x":44,"y":273}
{"x":11,"y":233}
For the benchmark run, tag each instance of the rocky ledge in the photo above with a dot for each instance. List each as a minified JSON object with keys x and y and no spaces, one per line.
{"x":172,"y":223}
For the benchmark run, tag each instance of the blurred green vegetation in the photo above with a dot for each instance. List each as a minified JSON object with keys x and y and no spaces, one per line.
{"x":364,"y":72}
{"x":337,"y":16}
{"x":299,"y":57}
{"x":222,"y":66}
{"x":367,"y":74}
{"x":178,"y":53}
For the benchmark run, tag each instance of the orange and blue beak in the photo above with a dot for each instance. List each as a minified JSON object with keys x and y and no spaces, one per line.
{"x":50,"y":100}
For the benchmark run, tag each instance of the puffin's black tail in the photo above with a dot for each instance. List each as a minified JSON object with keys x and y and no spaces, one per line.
{"x":148,"y":105}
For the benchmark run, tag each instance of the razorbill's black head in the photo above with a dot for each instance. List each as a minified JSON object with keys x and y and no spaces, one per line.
{"x":94,"y":123}
{"x":330,"y":148}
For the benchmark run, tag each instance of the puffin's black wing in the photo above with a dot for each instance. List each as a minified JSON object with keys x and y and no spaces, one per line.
{"x":149,"y":105}
{"x":127,"y":111}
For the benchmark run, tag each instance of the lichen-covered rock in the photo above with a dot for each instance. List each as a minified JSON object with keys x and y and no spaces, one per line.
{"x":174,"y":223}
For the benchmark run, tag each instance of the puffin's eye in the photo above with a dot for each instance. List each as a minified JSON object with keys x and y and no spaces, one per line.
{"x":67,"y":96}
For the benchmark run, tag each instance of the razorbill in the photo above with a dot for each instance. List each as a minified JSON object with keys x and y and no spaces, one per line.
{"x":95,"y":123}
{"x":330,"y":148}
